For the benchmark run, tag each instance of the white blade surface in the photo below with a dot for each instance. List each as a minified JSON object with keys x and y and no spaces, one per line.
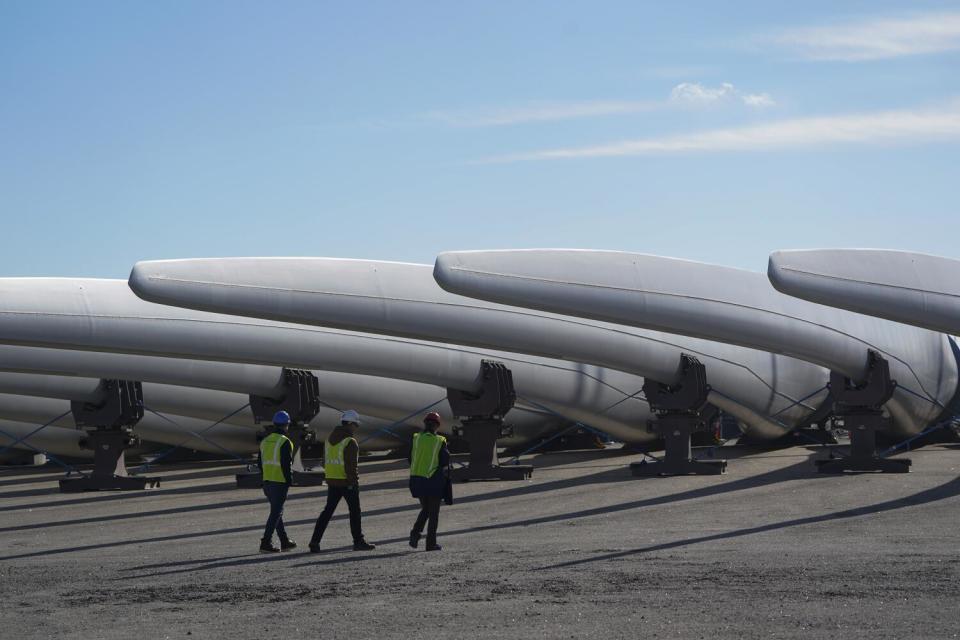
{"x":403,"y":300}
{"x":104,"y":315}
{"x":912,"y":288}
{"x":712,"y":302}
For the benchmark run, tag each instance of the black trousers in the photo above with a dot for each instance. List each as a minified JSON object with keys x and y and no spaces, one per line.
{"x":334,"y":494}
{"x":276,"y":493}
{"x":429,"y":509}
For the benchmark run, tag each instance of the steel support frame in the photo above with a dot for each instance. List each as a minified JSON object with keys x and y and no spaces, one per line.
{"x":860,"y":405}
{"x":109,"y":423}
{"x":300,"y":398}
{"x":679,"y":412}
{"x":482,"y":423}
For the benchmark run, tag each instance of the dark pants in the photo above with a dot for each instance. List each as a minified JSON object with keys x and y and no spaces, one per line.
{"x":334,"y":494}
{"x":276,"y":493}
{"x":429,"y":508}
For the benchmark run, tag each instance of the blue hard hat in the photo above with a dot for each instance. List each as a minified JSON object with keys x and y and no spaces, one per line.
{"x":281,"y":418}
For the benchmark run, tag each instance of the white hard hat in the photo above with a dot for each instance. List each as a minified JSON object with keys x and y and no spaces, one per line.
{"x":350,"y":416}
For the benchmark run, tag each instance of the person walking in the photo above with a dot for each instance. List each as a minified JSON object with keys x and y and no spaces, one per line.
{"x":429,"y":479}
{"x":276,"y":456}
{"x":341,"y":454}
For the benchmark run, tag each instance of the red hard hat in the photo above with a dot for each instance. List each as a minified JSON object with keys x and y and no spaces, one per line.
{"x":433,"y":416}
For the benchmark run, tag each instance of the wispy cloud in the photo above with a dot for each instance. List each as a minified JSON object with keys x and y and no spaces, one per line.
{"x":693,"y":94}
{"x":758,"y":100}
{"x":540,"y":113}
{"x":686,"y":94}
{"x":877,"y":38}
{"x":904,"y":126}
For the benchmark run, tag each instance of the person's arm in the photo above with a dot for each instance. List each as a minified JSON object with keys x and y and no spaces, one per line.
{"x":351,"y":462}
{"x":286,"y":461}
{"x":444,"y":459}
{"x":445,"y":466}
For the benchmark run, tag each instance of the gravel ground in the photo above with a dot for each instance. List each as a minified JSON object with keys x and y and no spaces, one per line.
{"x":769,"y":550}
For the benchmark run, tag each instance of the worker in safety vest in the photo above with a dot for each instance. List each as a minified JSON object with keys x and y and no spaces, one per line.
{"x":276,"y":456}
{"x":341,"y":453}
{"x":429,"y":479}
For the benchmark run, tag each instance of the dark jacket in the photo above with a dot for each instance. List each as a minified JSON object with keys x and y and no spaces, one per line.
{"x":438,"y":485}
{"x":351,"y":456}
{"x":286,"y":461}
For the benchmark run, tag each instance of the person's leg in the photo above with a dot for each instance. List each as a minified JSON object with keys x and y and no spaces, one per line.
{"x":333,"y":499}
{"x":422,"y":516}
{"x":276,"y":509}
{"x":352,"y":496}
{"x":285,"y":542}
{"x":282,"y":490}
{"x":417,"y":530}
{"x":433,"y":509}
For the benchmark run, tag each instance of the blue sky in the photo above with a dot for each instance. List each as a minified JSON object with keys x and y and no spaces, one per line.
{"x":396,"y":130}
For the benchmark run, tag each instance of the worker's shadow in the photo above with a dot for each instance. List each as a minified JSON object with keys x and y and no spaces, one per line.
{"x":352,"y":558}
{"x":209,"y":564}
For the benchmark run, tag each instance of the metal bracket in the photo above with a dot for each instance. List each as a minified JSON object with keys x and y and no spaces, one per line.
{"x":679,"y":409}
{"x":860,"y":405}
{"x":481,"y":415}
{"x":300,"y":397}
{"x":109,"y":425}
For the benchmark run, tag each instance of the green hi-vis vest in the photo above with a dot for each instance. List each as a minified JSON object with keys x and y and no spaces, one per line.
{"x":270,"y":448}
{"x":425,"y":456}
{"x":334,"y":467}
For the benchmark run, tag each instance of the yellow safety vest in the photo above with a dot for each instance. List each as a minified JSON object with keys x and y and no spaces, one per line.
{"x":334,"y":467}
{"x":425,"y":456}
{"x":270,"y":448}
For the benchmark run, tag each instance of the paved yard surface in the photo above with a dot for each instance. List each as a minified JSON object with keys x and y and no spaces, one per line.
{"x":770,"y":550}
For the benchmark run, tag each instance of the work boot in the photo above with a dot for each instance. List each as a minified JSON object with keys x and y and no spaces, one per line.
{"x":433,"y":546}
{"x":314,"y":546}
{"x":287,"y":544}
{"x":266,"y":546}
{"x":363,"y":545}
{"x":415,"y":538}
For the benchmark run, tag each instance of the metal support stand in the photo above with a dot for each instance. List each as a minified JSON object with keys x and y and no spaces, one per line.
{"x":678,"y":408}
{"x":860,"y":407}
{"x":481,"y":415}
{"x":109,"y":432}
{"x":301,"y":399}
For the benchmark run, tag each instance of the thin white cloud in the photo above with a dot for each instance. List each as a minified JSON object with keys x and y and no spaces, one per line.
{"x":758,"y":100}
{"x":877,"y":38}
{"x":905,"y":127}
{"x":686,"y":94}
{"x":540,"y":113}
{"x":693,"y":94}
